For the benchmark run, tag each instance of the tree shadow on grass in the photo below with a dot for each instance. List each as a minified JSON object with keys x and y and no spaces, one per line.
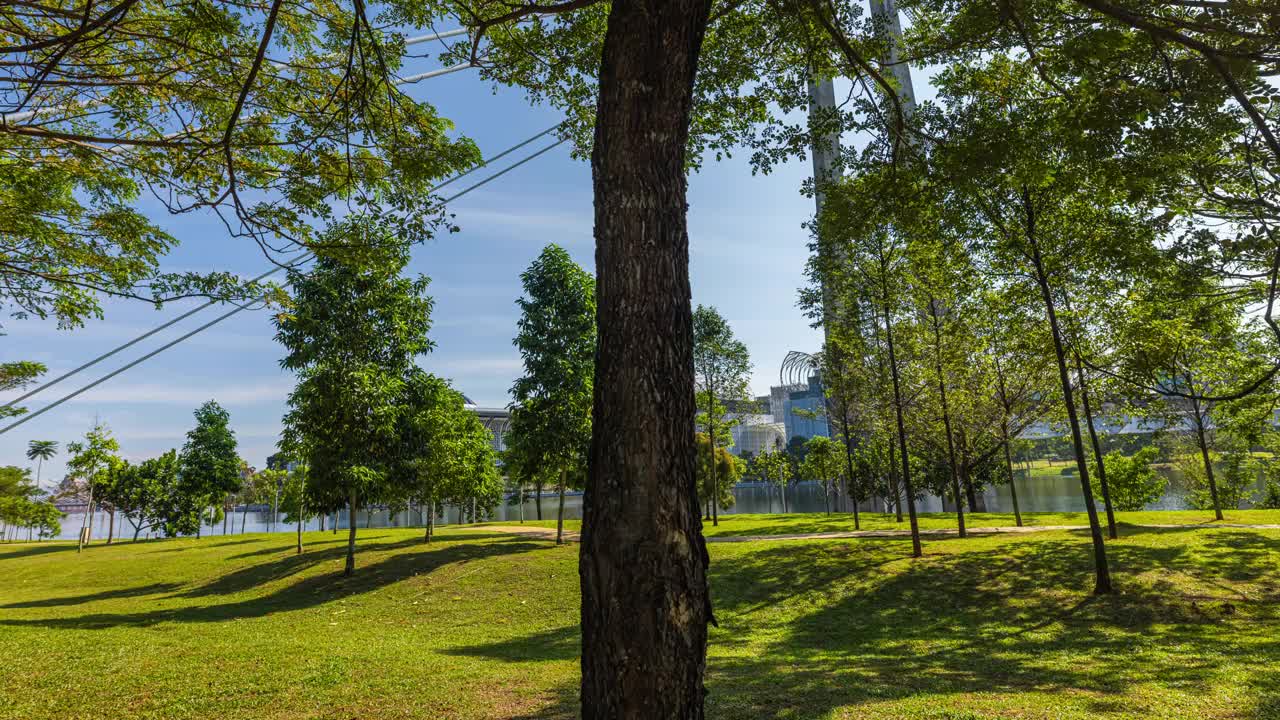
{"x":210,"y":542}
{"x":310,"y":591}
{"x":33,"y":549}
{"x":557,"y":644}
{"x":563,"y":643}
{"x":1012,"y":619}
{"x":133,"y":592}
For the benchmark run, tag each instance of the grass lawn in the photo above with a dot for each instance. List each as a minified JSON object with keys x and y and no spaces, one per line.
{"x":480,"y":625}
{"x":797,"y":523}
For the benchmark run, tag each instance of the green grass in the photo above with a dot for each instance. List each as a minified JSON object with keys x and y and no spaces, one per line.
{"x":484,"y":626}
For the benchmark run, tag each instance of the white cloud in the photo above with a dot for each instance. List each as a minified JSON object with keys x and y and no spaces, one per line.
{"x":573,"y":227}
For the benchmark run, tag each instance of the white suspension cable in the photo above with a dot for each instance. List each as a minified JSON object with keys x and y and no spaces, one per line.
{"x":240,"y":308}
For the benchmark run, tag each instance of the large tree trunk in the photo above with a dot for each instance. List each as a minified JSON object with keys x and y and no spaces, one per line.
{"x":1102,"y":573}
{"x":560,"y":512}
{"x":645,"y":601}
{"x":1097,"y":450}
{"x":350,"y":568}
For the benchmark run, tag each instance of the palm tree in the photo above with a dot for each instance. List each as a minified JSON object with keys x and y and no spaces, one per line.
{"x":41,"y":450}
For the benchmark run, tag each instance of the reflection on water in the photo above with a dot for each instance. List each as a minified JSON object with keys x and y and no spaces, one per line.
{"x":1054,"y":493}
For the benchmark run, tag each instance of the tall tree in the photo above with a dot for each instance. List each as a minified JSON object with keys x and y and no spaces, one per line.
{"x":551,"y":402}
{"x":721,"y":370}
{"x":446,"y":452}
{"x":41,"y":450}
{"x":356,"y":327}
{"x":1188,"y":338}
{"x":728,"y":470}
{"x":775,"y":467}
{"x":822,"y":462}
{"x":89,"y":459}
{"x":209,"y":462}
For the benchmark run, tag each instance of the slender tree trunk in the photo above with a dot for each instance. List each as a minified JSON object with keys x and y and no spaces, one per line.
{"x":86,"y":529}
{"x":538,"y":498}
{"x":111,"y":526}
{"x":893,"y":481}
{"x":431,"y":520}
{"x":350,"y":568}
{"x":244,"y":516}
{"x":711,"y":436}
{"x":645,"y":600}
{"x":970,"y":494}
{"x":560,"y":512}
{"x":849,"y":487}
{"x":301,"y":507}
{"x":1008,"y":461}
{"x":335,"y":521}
{"x":225,"y":515}
{"x":1097,"y":450}
{"x":321,"y":516}
{"x":1202,"y":440}
{"x":1102,"y":573}
{"x":946,"y":420}
{"x":916,"y":550}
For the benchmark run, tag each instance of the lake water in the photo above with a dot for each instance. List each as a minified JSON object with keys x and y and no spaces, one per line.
{"x":1059,"y":493}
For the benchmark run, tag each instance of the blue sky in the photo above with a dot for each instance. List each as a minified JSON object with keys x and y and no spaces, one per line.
{"x":748,"y":251}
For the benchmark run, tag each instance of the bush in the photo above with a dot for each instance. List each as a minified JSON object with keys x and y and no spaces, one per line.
{"x":1270,"y":496}
{"x":1133,"y":483}
{"x":1236,"y":473}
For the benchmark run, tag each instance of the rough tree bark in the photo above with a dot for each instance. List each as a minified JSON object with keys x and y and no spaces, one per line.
{"x":643,"y":568}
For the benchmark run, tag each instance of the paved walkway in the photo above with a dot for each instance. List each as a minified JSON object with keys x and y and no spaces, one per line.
{"x":545,"y":533}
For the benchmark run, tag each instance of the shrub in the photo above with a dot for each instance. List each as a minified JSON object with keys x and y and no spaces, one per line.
{"x":1133,"y":483}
